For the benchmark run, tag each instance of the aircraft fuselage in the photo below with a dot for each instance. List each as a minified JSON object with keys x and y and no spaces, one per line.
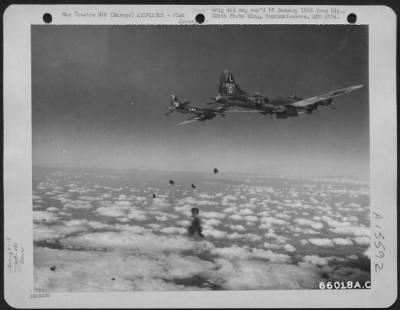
{"x":255,"y":102}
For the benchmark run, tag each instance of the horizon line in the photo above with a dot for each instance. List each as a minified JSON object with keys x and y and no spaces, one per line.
{"x":261,"y":174}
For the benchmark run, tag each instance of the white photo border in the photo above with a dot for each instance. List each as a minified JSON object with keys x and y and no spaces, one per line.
{"x":18,"y":226}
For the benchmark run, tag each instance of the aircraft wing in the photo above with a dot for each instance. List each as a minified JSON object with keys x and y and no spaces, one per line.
{"x":191,"y":120}
{"x":309,"y":101}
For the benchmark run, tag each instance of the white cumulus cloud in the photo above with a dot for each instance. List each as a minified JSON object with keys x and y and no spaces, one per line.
{"x":323,"y":242}
{"x":306,"y":222}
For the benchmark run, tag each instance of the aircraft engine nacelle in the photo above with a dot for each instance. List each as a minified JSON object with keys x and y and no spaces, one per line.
{"x":259,"y":100}
{"x":211,"y":115}
{"x":326,"y":102}
{"x":281,"y":115}
{"x":311,"y":108}
{"x":292,"y":113}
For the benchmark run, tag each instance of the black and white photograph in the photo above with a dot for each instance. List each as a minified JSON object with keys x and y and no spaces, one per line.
{"x":199,"y":156}
{"x":187,"y":158}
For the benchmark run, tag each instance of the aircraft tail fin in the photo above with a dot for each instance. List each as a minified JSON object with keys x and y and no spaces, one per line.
{"x":176,"y":104}
{"x":175,"y":101}
{"x":228,"y":86}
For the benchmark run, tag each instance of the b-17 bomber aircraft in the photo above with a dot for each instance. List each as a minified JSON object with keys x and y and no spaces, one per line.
{"x":199,"y":114}
{"x":231,"y":95}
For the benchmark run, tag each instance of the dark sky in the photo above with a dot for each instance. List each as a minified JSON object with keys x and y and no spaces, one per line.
{"x":85,"y":78}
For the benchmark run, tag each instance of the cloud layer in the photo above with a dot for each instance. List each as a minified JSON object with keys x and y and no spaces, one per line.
{"x":116,"y":232}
